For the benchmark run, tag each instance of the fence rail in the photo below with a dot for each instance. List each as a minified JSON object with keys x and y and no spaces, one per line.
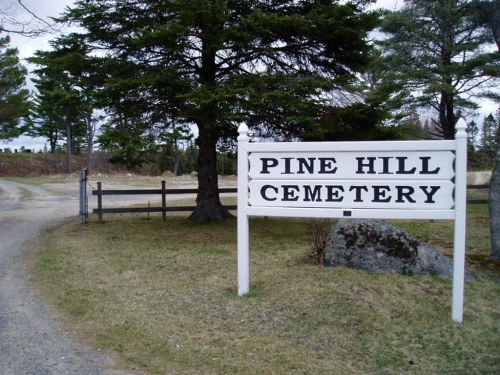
{"x":100,"y":210}
{"x":477,"y":187}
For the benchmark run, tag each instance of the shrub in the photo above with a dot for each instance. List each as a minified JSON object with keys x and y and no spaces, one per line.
{"x":318,"y":230}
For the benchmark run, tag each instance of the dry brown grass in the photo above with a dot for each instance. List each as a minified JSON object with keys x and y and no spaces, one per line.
{"x":163,"y":296}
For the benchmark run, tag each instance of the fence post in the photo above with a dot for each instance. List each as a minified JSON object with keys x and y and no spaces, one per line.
{"x":99,"y":202}
{"x":163,"y":202}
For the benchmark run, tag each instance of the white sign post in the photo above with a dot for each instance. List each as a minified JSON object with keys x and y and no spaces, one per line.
{"x":384,"y":180}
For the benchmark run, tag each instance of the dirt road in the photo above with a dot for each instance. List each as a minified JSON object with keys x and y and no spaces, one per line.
{"x":31,"y":339}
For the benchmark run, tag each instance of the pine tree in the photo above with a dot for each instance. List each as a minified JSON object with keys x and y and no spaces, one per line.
{"x":66,"y":98}
{"x":435,"y":50}
{"x":217,"y":63}
{"x":14,"y":98}
{"x":489,"y":135}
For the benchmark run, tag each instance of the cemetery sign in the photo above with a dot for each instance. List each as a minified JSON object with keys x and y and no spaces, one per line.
{"x":384,"y":180}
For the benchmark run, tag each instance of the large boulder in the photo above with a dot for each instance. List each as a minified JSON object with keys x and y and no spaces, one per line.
{"x":380,"y":247}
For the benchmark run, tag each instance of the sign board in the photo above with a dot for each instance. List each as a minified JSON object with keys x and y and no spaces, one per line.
{"x":385,"y":180}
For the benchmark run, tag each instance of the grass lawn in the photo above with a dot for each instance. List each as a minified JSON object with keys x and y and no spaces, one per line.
{"x":163,"y":296}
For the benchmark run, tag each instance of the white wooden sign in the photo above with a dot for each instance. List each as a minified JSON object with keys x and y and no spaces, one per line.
{"x":352,"y":194}
{"x":385,"y":180}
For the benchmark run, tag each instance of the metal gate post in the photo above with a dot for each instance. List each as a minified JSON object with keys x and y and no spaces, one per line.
{"x":84,"y":207}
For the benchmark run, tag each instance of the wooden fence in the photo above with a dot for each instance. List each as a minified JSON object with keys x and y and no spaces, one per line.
{"x":478,"y":187}
{"x":100,"y":210}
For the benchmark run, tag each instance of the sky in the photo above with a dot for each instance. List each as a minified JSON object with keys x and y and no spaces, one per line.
{"x":53,"y":8}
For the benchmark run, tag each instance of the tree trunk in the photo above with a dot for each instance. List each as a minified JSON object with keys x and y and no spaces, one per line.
{"x":494,"y":20}
{"x":90,"y":142}
{"x":177,"y":161}
{"x":53,"y":145}
{"x":69,"y":151}
{"x":446,"y":115}
{"x":208,"y":205}
{"x":494,"y":203}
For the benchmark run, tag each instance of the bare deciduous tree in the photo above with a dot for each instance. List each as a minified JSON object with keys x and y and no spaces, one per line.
{"x":17,"y":18}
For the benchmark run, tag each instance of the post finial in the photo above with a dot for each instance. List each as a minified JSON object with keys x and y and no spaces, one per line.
{"x":243,"y":131}
{"x":461,"y":128}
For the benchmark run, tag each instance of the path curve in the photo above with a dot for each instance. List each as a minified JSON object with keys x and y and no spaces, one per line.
{"x":31,"y":339}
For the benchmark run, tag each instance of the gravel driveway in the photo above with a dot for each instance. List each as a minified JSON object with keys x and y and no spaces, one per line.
{"x":31,"y":339}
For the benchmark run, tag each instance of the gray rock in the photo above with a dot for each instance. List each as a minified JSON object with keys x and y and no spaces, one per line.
{"x":380,"y":247}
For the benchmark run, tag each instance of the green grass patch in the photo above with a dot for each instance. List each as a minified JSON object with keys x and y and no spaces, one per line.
{"x":163,"y":296}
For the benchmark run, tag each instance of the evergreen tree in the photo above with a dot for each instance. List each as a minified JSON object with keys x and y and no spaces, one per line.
{"x":47,"y":119}
{"x":489,"y":135}
{"x":14,"y":99}
{"x":215,"y":64}
{"x":66,"y":98}
{"x":472,"y":135}
{"x":435,"y":49}
{"x":487,"y":12}
{"x":129,"y":142}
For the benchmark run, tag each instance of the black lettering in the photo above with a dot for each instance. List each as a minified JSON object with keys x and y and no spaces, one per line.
{"x":358,"y":191}
{"x":287,"y":165}
{"x":312,"y":194}
{"x":385,"y":164}
{"x":402,"y":166}
{"x":268,"y":163}
{"x":369,"y":164}
{"x":332,"y":193}
{"x":429,"y":194}
{"x":303,"y":164}
{"x":379,"y":194}
{"x":425,"y":166}
{"x":263,"y":192}
{"x":405,"y":192}
{"x":326,"y":165}
{"x":289,"y":193}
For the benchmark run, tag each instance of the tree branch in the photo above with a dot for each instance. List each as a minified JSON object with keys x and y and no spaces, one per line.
{"x":34,"y":27}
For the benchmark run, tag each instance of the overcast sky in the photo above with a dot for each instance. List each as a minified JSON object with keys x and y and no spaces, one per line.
{"x":53,"y":8}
